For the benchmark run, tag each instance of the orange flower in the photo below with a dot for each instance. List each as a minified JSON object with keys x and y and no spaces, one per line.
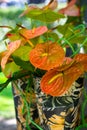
{"x":82,"y":59}
{"x":35,"y":32}
{"x":46,"y":56}
{"x":52,"y":82}
{"x":57,"y":81}
{"x":10,"y":49}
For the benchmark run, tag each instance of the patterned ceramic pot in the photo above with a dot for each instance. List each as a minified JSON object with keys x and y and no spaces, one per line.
{"x":25,"y":105}
{"x":59,"y":113}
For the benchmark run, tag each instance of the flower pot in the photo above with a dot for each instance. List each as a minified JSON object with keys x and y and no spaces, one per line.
{"x":25,"y":105}
{"x":59,"y":113}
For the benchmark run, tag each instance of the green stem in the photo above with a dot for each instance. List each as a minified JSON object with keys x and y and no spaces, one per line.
{"x":77,"y":34}
{"x":76,"y":52}
{"x":68,"y":44}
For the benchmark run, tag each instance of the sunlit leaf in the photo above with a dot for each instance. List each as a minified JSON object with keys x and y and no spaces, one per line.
{"x":47,"y":55}
{"x":51,"y":5}
{"x":22,"y":52}
{"x":44,"y":15}
{"x":16,"y":75}
{"x":4,"y":85}
{"x":10,"y":68}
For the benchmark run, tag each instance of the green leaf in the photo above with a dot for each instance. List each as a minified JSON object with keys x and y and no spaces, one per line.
{"x":15,"y":76}
{"x":72,"y":34}
{"x":44,"y":15}
{"x":13,"y":34}
{"x":79,"y":39}
{"x":23,"y":53}
{"x":51,"y":36}
{"x":20,"y":74}
{"x":74,"y":20}
{"x":66,"y":30}
{"x":26,"y":65}
{"x":4,"y":85}
{"x":10,"y":68}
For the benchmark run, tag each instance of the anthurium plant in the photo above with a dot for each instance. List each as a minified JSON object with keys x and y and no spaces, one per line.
{"x":41,"y":50}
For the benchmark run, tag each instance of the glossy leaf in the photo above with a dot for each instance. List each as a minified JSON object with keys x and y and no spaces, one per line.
{"x":47,"y":56}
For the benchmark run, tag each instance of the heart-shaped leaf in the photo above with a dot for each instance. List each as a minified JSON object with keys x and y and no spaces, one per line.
{"x":44,"y":15}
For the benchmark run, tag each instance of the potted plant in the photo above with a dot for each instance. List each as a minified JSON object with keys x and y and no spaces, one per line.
{"x":47,"y":85}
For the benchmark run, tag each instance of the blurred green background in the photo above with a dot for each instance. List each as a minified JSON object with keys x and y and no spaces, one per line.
{"x":6,"y":100}
{"x":9,"y":17}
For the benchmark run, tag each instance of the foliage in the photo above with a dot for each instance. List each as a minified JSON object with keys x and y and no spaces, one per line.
{"x":40,"y":50}
{"x":29,"y":49}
